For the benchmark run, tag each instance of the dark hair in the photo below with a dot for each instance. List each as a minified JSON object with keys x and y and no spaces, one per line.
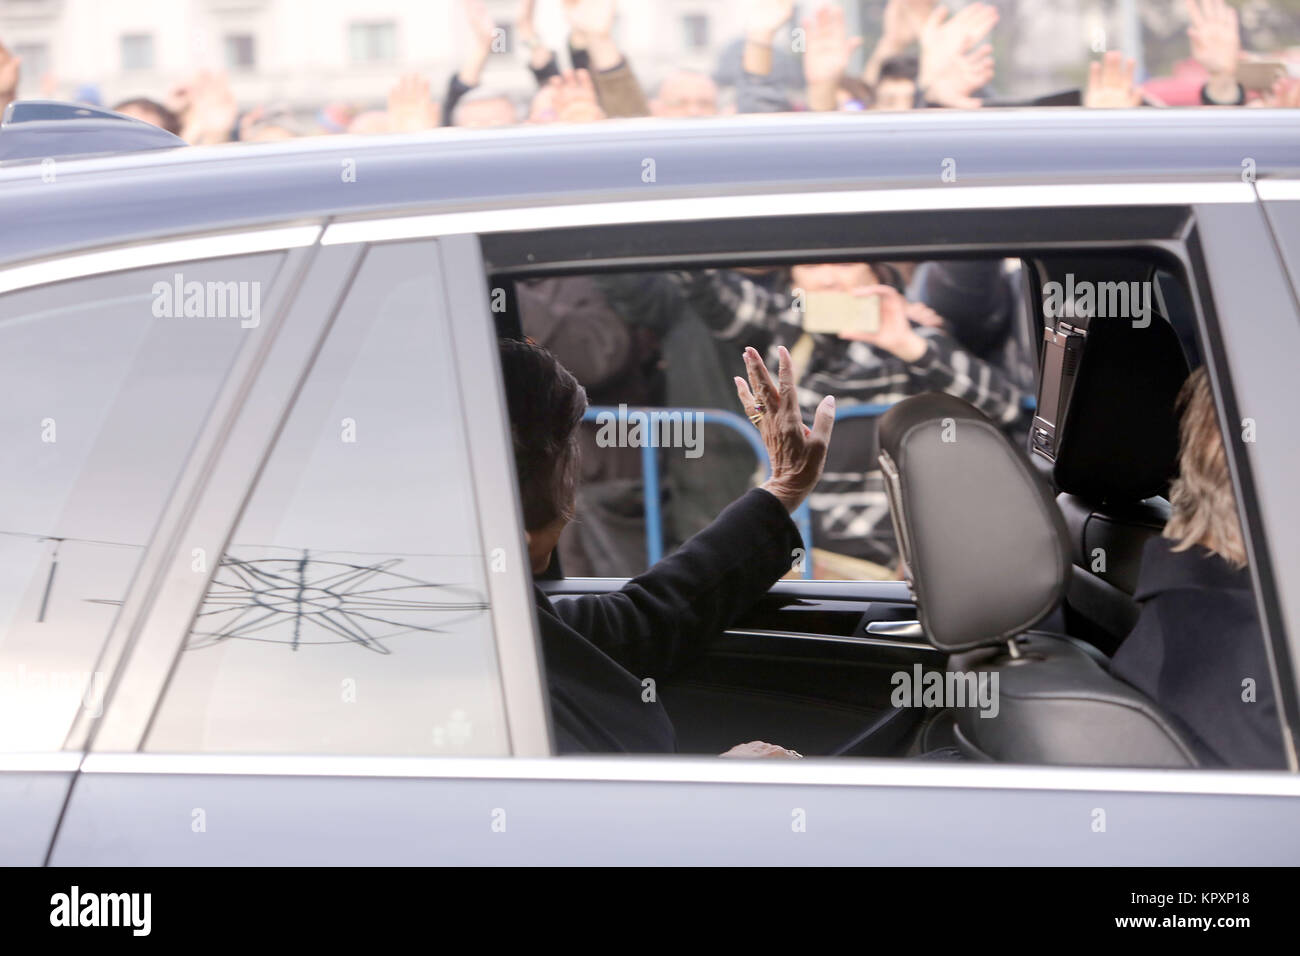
{"x":166,"y":118}
{"x":899,"y":68}
{"x":546,"y":405}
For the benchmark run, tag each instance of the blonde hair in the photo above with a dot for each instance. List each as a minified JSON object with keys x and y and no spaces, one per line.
{"x":1204,"y":511}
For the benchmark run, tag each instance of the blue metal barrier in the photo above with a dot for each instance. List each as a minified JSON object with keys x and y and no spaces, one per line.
{"x":740,"y":425}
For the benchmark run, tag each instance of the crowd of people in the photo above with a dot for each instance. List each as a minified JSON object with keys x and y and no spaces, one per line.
{"x":924,"y":57}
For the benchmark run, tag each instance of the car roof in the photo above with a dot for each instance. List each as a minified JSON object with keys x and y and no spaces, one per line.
{"x":133,"y":196}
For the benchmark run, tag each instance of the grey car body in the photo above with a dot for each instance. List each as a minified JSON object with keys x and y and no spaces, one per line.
{"x":1217,"y":191}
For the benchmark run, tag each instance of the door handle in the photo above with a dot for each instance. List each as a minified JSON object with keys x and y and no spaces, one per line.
{"x":911,"y":629}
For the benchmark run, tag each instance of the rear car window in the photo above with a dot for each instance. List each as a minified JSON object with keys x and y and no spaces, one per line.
{"x":348,"y":614}
{"x":107,"y":382}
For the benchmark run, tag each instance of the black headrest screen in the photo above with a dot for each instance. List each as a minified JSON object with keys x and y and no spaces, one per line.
{"x":1119,"y":441}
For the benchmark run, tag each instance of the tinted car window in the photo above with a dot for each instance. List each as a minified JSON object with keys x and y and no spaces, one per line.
{"x":349,"y":615}
{"x":107,"y":380}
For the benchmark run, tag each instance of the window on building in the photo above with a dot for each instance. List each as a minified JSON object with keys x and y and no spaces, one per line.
{"x":241,"y":51}
{"x":373,"y":42}
{"x":137,"y":51}
{"x":695,"y":31}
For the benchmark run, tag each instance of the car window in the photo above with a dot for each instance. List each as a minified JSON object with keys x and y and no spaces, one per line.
{"x":348,"y":614}
{"x":107,"y":381}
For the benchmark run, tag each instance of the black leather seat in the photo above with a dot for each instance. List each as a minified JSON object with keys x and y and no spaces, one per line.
{"x":985,"y":553}
{"x":1116,"y":455}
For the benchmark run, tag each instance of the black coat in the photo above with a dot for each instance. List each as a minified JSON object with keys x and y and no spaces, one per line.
{"x":1196,"y":640}
{"x":599,"y":648}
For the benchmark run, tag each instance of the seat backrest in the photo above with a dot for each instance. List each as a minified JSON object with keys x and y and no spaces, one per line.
{"x":1057,"y":705}
{"x":984,"y":549}
{"x":1116,"y":454}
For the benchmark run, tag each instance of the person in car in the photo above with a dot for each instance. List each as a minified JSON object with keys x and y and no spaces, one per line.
{"x":1197,"y":648}
{"x":604,"y":653}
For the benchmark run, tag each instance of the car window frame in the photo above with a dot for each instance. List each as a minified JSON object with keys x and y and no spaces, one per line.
{"x":233,"y":466}
{"x":1159,"y":218}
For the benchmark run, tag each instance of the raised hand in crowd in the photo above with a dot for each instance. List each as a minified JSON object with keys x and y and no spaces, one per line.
{"x":1285,"y":93}
{"x":1110,"y":83}
{"x":9,"y":73}
{"x":206,"y":107}
{"x":826,"y":55}
{"x":901,"y":28}
{"x":482,"y":30}
{"x":591,"y":25}
{"x":539,"y":54}
{"x":1216,"y":45}
{"x":410,"y":105}
{"x":954,"y":64}
{"x":895,"y":334}
{"x":573,"y":98}
{"x":762,"y":21}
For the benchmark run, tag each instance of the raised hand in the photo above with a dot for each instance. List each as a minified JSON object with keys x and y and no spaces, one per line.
{"x":903,"y":21}
{"x":1110,"y":83}
{"x":952,"y":66}
{"x":9,"y":73}
{"x":590,"y":18}
{"x":895,"y":334}
{"x":573,"y":98}
{"x":207,"y":109}
{"x":765,"y":17}
{"x":1216,"y":42}
{"x":410,"y":105}
{"x":829,"y":47}
{"x":797,"y":453}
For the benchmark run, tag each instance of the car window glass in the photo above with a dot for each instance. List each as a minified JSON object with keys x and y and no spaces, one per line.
{"x":349,"y":614}
{"x":107,"y":381}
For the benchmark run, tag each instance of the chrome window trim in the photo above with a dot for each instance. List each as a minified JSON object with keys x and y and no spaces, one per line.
{"x":744,"y":206}
{"x":520,"y":668}
{"x":118,"y":258}
{"x":839,"y":771}
{"x":58,"y":761}
{"x":1273,"y":190}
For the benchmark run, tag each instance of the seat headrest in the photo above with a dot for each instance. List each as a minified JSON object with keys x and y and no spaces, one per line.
{"x":982,"y":541}
{"x":1119,"y":442}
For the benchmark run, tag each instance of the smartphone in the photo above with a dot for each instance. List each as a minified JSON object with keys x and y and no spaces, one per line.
{"x":1260,"y":74}
{"x":834,"y":313}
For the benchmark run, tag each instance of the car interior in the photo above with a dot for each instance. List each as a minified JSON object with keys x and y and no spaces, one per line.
{"x":1018,"y":555}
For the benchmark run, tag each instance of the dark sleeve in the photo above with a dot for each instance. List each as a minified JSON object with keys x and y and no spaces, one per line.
{"x":543,"y":73}
{"x":455,"y":90}
{"x":1238,"y":101}
{"x":760,"y":93}
{"x":660,"y":617}
{"x":620,"y":92}
{"x":580,"y":59}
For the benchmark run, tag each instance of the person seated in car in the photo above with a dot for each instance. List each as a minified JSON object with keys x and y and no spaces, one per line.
{"x":1197,"y":648}
{"x":601,"y":651}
